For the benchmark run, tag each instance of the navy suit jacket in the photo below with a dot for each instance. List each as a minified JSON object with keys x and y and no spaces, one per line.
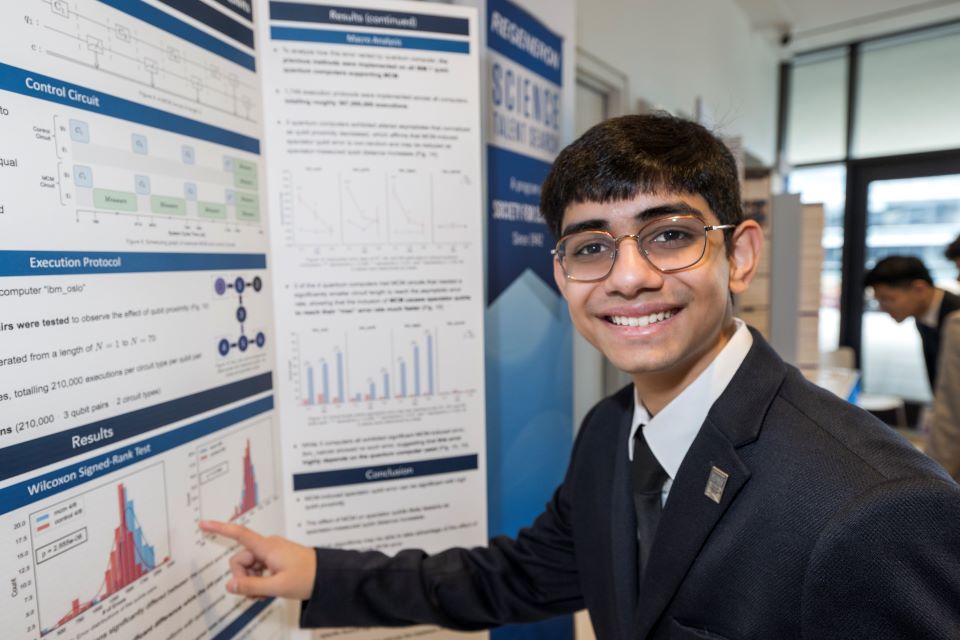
{"x":830,"y":526}
{"x":930,"y":337}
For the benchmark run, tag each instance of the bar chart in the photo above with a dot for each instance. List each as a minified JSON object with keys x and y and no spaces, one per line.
{"x":373,"y":364}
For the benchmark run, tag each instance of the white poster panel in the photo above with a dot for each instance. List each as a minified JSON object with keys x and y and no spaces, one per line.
{"x":373,"y":130}
{"x":135,"y":319}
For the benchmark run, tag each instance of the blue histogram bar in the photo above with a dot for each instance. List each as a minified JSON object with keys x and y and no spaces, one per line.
{"x":429,"y":364}
{"x":326,"y":382}
{"x":416,"y":369}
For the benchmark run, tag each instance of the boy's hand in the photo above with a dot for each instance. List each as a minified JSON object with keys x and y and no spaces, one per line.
{"x":267,"y":566}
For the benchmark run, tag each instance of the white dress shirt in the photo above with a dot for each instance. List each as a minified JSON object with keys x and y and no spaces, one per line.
{"x":932,"y":316}
{"x":671,"y":432}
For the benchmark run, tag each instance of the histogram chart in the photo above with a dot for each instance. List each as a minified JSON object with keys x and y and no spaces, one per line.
{"x":98,"y":543}
{"x":370,"y":364}
{"x":235,"y":473}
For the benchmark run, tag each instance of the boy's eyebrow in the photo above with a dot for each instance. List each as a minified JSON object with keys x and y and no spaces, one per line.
{"x":678,"y":208}
{"x":596,"y":224}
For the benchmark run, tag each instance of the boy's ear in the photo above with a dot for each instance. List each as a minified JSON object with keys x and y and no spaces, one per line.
{"x":747,"y":245}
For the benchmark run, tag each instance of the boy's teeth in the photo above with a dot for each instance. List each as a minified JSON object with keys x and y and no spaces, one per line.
{"x":641,"y":321}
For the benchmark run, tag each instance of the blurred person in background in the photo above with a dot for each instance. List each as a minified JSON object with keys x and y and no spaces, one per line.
{"x":952,"y":253}
{"x":903,"y":287}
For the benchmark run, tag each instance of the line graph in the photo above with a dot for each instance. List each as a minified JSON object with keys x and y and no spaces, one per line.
{"x":323,"y":207}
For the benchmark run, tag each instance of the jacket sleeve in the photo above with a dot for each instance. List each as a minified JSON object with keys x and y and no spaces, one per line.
{"x":887,"y":566}
{"x":526,"y":579}
{"x":943,"y":442}
{"x":522,"y":580}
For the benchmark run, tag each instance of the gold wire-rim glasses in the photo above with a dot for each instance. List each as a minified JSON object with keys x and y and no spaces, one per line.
{"x":559,"y":251}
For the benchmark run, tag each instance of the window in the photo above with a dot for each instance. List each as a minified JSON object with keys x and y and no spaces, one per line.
{"x":907,"y":94}
{"x":817,"y":114}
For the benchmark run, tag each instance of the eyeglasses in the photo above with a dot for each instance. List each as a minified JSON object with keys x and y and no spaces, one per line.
{"x":668,"y":244}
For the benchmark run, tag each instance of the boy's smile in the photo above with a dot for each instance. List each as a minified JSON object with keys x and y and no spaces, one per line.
{"x":661,"y":328}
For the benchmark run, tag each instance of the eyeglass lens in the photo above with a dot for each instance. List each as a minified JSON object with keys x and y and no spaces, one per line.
{"x":669,"y":244}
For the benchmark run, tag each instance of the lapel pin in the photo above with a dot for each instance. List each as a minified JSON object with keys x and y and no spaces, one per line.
{"x":716,"y":484}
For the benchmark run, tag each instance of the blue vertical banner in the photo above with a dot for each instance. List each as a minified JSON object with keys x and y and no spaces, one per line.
{"x":529,"y":343}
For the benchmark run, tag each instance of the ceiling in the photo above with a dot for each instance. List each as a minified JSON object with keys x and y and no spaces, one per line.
{"x":802,"y":25}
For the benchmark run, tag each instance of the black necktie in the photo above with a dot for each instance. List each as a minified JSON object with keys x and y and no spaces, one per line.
{"x":648,"y":479}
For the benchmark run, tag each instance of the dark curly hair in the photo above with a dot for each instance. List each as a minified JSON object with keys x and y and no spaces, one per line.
{"x":623,"y":157}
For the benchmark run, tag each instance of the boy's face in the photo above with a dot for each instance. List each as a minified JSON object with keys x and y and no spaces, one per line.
{"x":695,"y":302}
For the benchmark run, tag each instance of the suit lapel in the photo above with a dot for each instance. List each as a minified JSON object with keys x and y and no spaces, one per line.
{"x":623,"y":527}
{"x":690,"y":515}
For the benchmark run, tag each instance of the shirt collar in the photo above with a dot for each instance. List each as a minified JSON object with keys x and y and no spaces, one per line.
{"x":671,"y":432}
{"x":933,"y":311}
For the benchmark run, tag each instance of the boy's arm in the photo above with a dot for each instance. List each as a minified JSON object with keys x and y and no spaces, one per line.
{"x":522,"y":580}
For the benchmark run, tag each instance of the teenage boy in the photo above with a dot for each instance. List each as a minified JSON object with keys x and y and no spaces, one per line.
{"x":718,"y":496}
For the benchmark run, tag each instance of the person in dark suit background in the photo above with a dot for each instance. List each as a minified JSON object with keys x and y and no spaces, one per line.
{"x":903,"y":288}
{"x":720,"y":495}
{"x":952,"y":253}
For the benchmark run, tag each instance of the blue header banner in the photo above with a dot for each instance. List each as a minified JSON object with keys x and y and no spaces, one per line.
{"x":517,"y":237}
{"x":366,"y":17}
{"x":516,"y":34}
{"x":398,"y":471}
{"x":368,"y":39}
{"x":41,"y":87}
{"x":59,"y":263}
{"x":162,"y":20}
{"x":26,"y":456}
{"x":71,"y":476}
{"x":198,"y":10}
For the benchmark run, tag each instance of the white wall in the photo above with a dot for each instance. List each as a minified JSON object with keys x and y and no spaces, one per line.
{"x":674,"y":51}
